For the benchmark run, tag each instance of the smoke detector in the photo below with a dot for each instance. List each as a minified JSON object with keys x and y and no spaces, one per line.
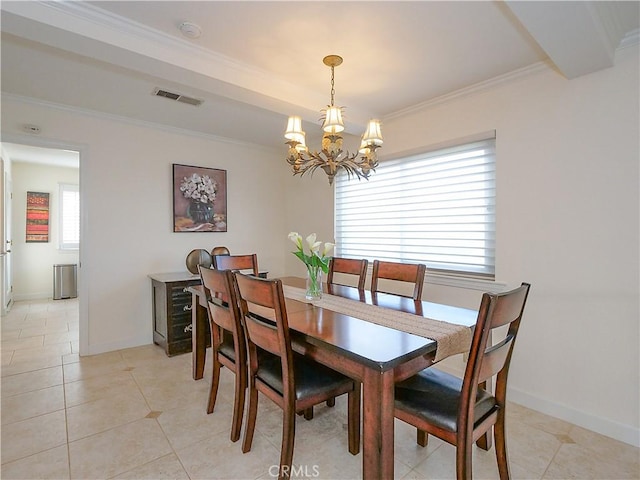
{"x":190,"y":30}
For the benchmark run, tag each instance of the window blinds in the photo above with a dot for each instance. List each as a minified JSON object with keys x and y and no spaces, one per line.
{"x":436,"y":208}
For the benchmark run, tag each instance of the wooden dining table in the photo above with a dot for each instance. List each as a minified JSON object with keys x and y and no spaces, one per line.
{"x":375,"y":355}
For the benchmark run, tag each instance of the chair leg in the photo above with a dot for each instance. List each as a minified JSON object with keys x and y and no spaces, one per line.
{"x":288,"y":437}
{"x":251,"y":417}
{"x":215,"y":381}
{"x":308,"y":413}
{"x":501,"y":447}
{"x":353,"y":419}
{"x":238,"y":405}
{"x":422,"y":437}
{"x":463,"y":460}
{"x":331,"y":402}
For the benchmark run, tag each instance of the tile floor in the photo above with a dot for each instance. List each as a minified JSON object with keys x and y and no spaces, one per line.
{"x":137,"y":414}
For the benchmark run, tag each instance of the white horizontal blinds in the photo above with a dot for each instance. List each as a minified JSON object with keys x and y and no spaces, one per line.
{"x":69,"y":216}
{"x":436,"y":208}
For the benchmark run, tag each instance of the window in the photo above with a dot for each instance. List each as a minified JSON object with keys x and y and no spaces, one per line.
{"x":69,"y":238}
{"x":436,"y":208}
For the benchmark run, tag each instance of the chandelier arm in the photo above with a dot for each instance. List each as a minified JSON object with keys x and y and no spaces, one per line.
{"x":332,"y":163}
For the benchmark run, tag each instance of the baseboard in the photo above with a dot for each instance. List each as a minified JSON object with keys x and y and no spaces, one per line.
{"x":96,"y":349}
{"x":618,"y":431}
{"x":19,"y":297}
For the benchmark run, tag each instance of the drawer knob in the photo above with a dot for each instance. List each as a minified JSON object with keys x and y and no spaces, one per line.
{"x":188,"y":328}
{"x":186,"y":308}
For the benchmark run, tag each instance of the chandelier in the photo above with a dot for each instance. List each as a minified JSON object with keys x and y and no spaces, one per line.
{"x":331,"y":157}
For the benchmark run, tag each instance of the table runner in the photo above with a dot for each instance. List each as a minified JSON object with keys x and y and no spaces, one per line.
{"x":451,"y":339}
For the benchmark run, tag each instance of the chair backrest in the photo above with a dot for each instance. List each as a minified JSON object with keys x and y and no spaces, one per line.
{"x":485,"y":361}
{"x":236,"y":262}
{"x":198,"y":257}
{"x":401,"y":272}
{"x":348,"y":266}
{"x":220,"y":251}
{"x":264,"y":314}
{"x":223,"y":305}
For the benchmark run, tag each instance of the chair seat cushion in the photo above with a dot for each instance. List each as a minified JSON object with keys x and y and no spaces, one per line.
{"x":311,"y":377}
{"x":435,"y":396}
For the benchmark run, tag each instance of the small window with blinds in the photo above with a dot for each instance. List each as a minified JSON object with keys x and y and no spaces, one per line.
{"x":69,"y":237}
{"x":436,"y":208}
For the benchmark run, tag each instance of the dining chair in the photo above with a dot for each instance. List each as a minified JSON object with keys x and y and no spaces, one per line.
{"x":402,"y":272}
{"x":228,"y":345}
{"x":236,"y":262}
{"x":348,"y":266}
{"x":345,"y":266}
{"x":460,"y":411}
{"x":292,"y":381}
{"x":220,"y":250}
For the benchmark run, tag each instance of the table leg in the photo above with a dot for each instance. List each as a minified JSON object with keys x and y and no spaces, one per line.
{"x":198,"y":336}
{"x":377,"y":424}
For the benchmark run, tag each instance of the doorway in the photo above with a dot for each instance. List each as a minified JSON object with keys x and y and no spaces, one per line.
{"x":38,"y":165}
{"x":5,"y":238}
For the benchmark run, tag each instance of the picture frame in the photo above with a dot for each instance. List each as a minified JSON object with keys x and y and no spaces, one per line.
{"x":37,"y":223}
{"x":199,"y":199}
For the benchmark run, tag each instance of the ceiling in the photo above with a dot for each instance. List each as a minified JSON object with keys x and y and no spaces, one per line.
{"x":42,"y":155}
{"x":255,"y":63}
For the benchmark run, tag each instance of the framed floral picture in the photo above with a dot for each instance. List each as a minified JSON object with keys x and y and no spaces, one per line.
{"x":199,"y":199}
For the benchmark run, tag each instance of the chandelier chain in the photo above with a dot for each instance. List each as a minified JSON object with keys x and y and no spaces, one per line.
{"x":333,"y":90}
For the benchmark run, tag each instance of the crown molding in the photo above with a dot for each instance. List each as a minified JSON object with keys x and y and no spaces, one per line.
{"x":609,"y":20}
{"x":472,"y":89}
{"x":124,"y":29}
{"x":131,"y":121}
{"x":233,"y":79}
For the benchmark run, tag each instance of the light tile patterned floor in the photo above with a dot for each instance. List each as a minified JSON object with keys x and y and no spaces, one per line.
{"x":137,"y":414}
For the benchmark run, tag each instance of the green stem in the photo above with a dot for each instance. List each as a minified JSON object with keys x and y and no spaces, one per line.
{"x":315,"y":281}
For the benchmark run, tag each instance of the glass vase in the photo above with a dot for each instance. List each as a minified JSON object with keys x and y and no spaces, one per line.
{"x":200,"y":212}
{"x":314,"y":283}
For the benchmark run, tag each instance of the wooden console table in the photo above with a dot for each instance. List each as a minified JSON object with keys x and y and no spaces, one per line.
{"x":172,"y":312}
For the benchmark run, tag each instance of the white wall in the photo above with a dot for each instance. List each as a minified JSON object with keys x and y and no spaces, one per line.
{"x":126,"y":190}
{"x":567,"y":222}
{"x":33,"y":262}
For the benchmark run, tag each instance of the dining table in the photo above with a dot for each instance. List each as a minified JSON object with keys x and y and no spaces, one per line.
{"x":376,"y":354}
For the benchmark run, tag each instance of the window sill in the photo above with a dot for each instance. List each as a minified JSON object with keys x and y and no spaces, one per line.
{"x":465,"y":282}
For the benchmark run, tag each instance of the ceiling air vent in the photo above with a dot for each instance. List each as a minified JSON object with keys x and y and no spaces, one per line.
{"x":158,"y":92}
